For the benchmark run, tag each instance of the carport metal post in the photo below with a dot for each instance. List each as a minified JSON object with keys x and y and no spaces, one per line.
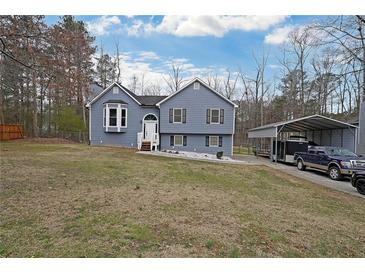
{"x":276,"y":145}
{"x":276,"y":142}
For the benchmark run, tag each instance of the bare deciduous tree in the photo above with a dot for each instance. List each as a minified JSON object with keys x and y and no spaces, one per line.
{"x":174,"y":80}
{"x":230,"y":84}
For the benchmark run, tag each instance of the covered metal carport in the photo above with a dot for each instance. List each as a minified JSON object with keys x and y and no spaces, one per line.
{"x":317,"y":128}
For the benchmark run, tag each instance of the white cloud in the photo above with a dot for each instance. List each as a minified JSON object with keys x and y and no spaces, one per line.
{"x":147,"y":55}
{"x":154,"y":69}
{"x":102,"y":25}
{"x":274,"y":66}
{"x":135,"y":28}
{"x":279,"y":35}
{"x":208,"y":25}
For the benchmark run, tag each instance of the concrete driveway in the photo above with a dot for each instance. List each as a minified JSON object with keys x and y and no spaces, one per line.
{"x":314,"y":176}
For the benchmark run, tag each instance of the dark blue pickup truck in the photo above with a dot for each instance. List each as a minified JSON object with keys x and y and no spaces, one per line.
{"x":336,"y":161}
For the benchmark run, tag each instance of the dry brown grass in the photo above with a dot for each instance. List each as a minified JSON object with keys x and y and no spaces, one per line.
{"x":68,"y":200}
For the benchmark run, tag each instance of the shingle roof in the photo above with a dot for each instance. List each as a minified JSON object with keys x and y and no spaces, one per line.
{"x":116,"y":102}
{"x":150,"y":100}
{"x":145,"y":100}
{"x":94,"y":90}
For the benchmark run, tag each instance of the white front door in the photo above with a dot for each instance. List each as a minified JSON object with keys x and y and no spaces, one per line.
{"x":149,"y":129}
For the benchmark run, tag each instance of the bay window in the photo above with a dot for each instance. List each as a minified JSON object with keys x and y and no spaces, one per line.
{"x":114,"y":117}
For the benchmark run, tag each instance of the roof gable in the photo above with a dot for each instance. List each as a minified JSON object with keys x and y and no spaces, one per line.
{"x":190,"y":83}
{"x":125,"y":90}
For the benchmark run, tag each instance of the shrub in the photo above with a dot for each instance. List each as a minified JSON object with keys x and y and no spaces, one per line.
{"x":68,"y":120}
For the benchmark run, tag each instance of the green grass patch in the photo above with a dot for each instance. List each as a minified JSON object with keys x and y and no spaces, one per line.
{"x":70,"y":200}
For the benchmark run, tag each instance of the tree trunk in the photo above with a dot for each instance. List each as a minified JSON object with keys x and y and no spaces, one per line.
{"x":34,"y":107}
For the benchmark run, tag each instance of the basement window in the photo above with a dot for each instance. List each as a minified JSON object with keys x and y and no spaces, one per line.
{"x":178,"y":142}
{"x":213,"y":141}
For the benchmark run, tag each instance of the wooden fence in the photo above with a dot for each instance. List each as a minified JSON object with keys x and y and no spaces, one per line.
{"x":11,"y":131}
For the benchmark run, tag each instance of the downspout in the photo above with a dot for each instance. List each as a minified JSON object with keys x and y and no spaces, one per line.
{"x":356,"y":135}
{"x":90,"y":125}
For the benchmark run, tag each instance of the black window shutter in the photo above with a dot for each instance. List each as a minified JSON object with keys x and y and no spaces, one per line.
{"x":184,"y":115}
{"x":184,"y":141}
{"x":172,"y":140}
{"x":207,"y":141}
{"x":171,"y":115}
{"x":220,"y":141}
{"x":222,"y":116}
{"x":208,"y":116}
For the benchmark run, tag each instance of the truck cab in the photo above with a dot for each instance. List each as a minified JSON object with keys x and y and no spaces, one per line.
{"x":336,"y":161}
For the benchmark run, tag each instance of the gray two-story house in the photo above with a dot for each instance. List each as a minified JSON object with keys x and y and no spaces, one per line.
{"x":194,"y":118}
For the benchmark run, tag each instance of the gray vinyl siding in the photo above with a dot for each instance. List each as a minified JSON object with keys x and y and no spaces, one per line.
{"x":196,"y":143}
{"x":128,"y":136}
{"x":196,"y":103}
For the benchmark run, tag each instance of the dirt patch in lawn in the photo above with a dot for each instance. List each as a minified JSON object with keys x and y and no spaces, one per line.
{"x":70,"y":200}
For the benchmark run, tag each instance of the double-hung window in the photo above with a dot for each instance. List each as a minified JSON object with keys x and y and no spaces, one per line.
{"x":214,"y":116}
{"x":112,"y":117}
{"x":177,"y":115}
{"x":178,"y":140}
{"x":213,"y":141}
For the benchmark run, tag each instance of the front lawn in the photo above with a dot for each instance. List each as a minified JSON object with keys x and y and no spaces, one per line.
{"x":70,"y":200}
{"x":245,"y":150}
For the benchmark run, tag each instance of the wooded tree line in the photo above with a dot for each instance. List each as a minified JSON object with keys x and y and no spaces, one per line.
{"x":322,"y":71}
{"x":45,"y":72}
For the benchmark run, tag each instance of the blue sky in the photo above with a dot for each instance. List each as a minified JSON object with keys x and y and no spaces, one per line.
{"x":202,"y":44}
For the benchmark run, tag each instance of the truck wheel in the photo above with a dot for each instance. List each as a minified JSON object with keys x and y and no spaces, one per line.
{"x":335,"y":173}
{"x":300,"y":165}
{"x":360,"y":186}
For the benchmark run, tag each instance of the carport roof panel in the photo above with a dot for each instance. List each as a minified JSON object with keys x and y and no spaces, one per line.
{"x":308,"y":123}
